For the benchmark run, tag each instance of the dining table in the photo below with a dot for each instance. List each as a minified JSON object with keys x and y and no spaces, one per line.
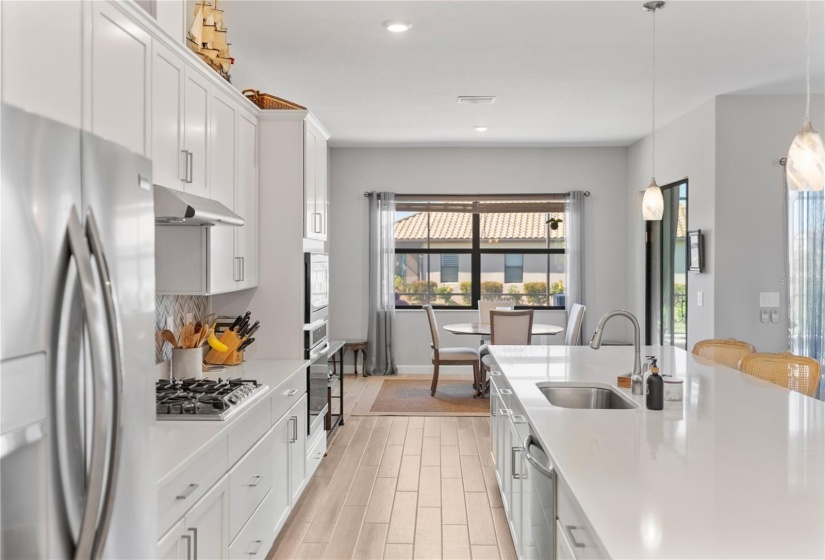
{"x":483,"y":329}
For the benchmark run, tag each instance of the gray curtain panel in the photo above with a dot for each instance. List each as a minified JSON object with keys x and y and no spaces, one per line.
{"x":806,"y":276}
{"x":381,"y":328}
{"x":574,"y":250}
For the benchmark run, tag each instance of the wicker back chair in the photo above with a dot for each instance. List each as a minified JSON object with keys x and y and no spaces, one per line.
{"x":727,"y":352}
{"x":796,"y":373}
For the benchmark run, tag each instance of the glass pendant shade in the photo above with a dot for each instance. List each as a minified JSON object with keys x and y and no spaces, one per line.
{"x":653,"y":204}
{"x":806,"y":160}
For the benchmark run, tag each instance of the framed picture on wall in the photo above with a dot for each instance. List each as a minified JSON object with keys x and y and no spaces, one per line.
{"x":696,"y":243}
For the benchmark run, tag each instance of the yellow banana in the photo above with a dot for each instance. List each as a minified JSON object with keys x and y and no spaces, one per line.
{"x":215,"y":343}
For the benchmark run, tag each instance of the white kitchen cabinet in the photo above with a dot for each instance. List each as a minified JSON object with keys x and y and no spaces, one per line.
{"x":119,"y":56}
{"x":207,"y":523}
{"x":42,"y":58}
{"x":315,"y":181}
{"x":298,"y":449}
{"x":196,"y":132}
{"x":564,"y":550}
{"x":169,"y":159}
{"x":176,"y":544}
{"x":280,"y":493}
{"x":224,"y":267}
{"x":246,"y":200}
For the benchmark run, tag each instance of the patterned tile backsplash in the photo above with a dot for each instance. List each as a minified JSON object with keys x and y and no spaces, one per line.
{"x":176,"y":307}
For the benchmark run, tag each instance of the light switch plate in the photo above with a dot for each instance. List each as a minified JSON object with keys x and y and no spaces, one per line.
{"x":700,"y":299}
{"x":768,"y":299}
{"x":765,"y":315}
{"x":774,"y":315}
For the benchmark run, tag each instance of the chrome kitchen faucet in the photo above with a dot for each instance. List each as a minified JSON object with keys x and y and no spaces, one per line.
{"x":636,"y":379}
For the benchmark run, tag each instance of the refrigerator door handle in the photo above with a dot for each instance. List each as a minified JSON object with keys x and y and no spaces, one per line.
{"x":79,"y":248}
{"x":113,"y":323}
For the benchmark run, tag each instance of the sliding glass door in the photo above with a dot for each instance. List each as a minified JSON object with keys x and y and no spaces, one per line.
{"x":666,"y":278}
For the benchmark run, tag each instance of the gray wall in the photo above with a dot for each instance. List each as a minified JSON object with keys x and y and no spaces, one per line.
{"x":602,"y":171}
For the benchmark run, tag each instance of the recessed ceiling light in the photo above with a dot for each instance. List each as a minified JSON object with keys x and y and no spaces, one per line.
{"x":476,"y":99}
{"x":480,"y":128}
{"x":397,"y":25}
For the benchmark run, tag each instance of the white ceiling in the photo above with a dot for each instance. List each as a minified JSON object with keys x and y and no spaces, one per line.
{"x":564,"y":73}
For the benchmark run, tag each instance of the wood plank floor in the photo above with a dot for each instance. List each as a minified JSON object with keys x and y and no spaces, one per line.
{"x":400,"y":488}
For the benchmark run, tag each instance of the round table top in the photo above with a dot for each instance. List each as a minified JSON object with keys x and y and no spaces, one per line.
{"x":484,"y":329}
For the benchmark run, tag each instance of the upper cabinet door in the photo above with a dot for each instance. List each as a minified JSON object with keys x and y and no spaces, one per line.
{"x":168,"y":155}
{"x":41,"y":58}
{"x":246,"y":199}
{"x":120,"y":58}
{"x":321,"y":190}
{"x":310,"y":170}
{"x":196,"y":133}
{"x":225,"y":268}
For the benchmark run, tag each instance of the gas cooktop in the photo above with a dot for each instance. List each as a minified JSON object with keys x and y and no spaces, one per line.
{"x":204,"y":399}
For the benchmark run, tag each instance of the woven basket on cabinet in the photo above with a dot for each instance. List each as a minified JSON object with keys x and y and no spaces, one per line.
{"x":267,"y":101}
{"x":797,"y":373}
{"x":727,"y":352}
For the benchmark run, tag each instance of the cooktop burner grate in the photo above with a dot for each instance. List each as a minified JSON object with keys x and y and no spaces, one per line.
{"x":204,"y":399}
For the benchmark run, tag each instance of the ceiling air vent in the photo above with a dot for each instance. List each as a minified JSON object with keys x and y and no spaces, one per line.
{"x":477,"y":99}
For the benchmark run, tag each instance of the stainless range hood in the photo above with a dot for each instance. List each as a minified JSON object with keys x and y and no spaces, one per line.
{"x":179,"y":208}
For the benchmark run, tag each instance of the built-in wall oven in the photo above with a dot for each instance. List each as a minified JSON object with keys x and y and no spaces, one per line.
{"x":316,"y":336}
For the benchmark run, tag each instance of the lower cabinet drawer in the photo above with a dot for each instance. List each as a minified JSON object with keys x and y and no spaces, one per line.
{"x":248,"y":430}
{"x":289,"y":392}
{"x":316,"y":453}
{"x":257,"y":536}
{"x":178,"y":495}
{"x":249,"y":481}
{"x":574,"y":528}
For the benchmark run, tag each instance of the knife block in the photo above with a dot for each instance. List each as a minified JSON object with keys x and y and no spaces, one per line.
{"x":235,"y":358}
{"x":230,"y":338}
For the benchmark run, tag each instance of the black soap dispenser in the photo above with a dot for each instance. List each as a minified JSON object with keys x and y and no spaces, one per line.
{"x":655,"y":391}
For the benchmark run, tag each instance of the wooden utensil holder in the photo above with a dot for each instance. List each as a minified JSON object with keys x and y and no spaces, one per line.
{"x":231,"y":340}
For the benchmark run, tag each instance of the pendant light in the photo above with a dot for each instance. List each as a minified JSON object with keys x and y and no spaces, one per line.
{"x":653,"y":205}
{"x":806,"y":159}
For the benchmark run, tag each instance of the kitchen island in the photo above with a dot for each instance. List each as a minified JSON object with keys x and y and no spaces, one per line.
{"x":737,"y":469}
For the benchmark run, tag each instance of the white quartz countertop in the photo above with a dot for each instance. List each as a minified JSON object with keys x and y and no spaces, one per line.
{"x":178,"y":441}
{"x":735,"y":470}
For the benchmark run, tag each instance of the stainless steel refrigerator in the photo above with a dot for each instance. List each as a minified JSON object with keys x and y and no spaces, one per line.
{"x":77,"y":291}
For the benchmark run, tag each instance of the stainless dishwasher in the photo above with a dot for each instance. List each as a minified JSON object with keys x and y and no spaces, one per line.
{"x":539,"y":491}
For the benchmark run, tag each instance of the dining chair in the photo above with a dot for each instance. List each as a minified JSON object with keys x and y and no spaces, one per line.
{"x":507,"y":327}
{"x":727,"y":352}
{"x":449,"y":356}
{"x":797,"y":373}
{"x":484,"y":308}
{"x":572,"y":336}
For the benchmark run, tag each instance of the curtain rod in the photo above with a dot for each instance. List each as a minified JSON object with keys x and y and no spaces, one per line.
{"x":475,"y":197}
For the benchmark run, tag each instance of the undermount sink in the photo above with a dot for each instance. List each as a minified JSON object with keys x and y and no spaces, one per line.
{"x":585,"y":395}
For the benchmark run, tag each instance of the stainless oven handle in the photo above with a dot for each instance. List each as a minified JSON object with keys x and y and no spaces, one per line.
{"x":317,"y":353}
{"x":546,"y":471}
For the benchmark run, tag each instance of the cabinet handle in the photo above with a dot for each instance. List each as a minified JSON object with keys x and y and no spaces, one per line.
{"x":185,"y":167}
{"x":190,"y":157}
{"x":188,"y":546}
{"x":569,"y":529}
{"x":504,"y":411}
{"x":236,"y":276}
{"x":257,"y":548}
{"x":292,"y":393}
{"x":495,"y":374}
{"x":505,"y":391}
{"x":254,"y":481}
{"x":194,"y":543}
{"x":294,"y":420}
{"x":518,"y":419}
{"x":517,"y":475}
{"x":243,"y":269}
{"x":186,"y":493}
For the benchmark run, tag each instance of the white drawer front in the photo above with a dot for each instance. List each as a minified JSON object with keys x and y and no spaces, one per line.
{"x":178,"y":495}
{"x":248,"y":430}
{"x":577,"y":531}
{"x":285,"y":396}
{"x":257,"y":536}
{"x":316,"y":454}
{"x":249,"y":481}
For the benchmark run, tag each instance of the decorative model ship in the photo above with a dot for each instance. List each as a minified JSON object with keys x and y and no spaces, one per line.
{"x":207,"y":38}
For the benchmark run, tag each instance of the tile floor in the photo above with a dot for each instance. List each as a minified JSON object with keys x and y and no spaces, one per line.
{"x":400,"y":487}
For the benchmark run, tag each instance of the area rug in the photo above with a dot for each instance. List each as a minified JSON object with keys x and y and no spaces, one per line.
{"x":409,"y":395}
